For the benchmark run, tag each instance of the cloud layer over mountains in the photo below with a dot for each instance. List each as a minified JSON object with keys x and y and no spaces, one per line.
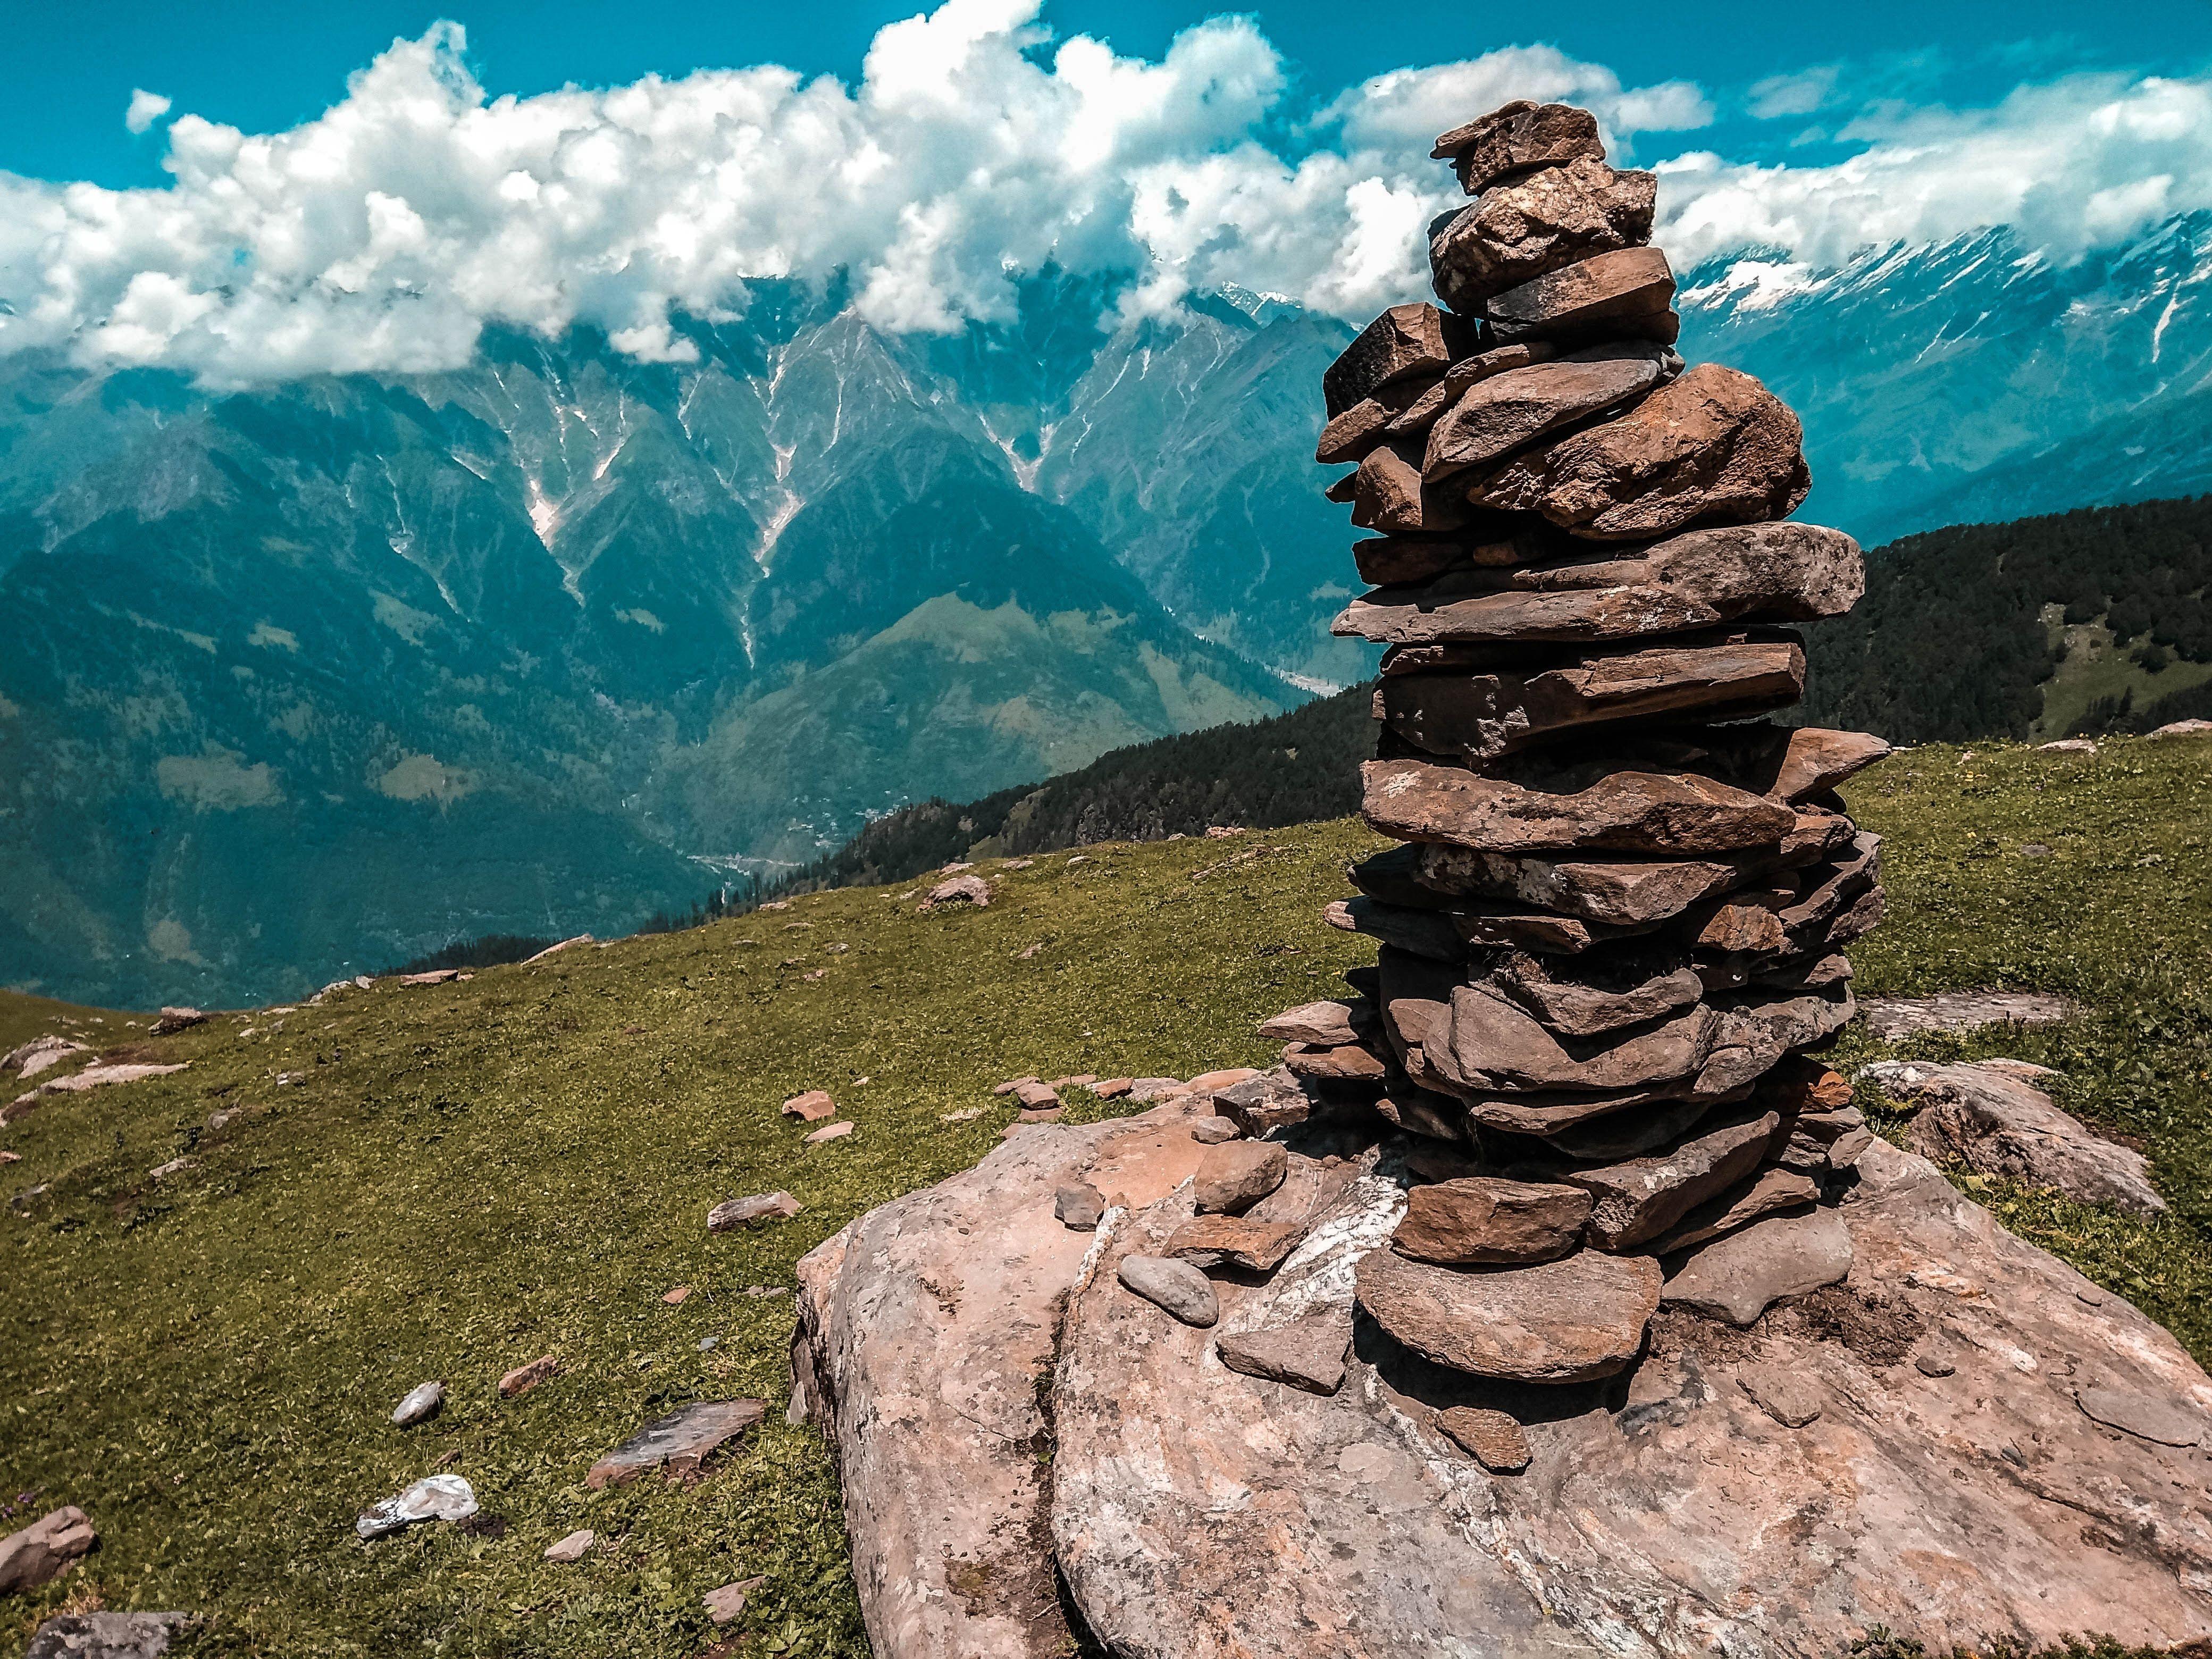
{"x":384,"y":235}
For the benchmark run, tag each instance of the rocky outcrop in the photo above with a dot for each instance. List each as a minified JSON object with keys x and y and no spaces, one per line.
{"x":1993,"y":1117}
{"x":1960,"y":1439}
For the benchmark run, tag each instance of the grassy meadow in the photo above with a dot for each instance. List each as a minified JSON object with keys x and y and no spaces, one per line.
{"x":446,"y":1182}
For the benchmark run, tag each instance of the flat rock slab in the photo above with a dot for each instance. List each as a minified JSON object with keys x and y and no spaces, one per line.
{"x":925,"y":1327}
{"x":1568,"y":1320}
{"x":1739,"y":1277}
{"x":680,"y":1443}
{"x":1667,"y":1511}
{"x":1307,"y":1353}
{"x":106,"y":1636}
{"x":1988,"y":1116}
{"x":1892,"y":1017}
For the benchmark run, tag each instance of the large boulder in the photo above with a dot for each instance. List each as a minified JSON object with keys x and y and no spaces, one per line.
{"x":925,"y":1329}
{"x":1963,"y":1439}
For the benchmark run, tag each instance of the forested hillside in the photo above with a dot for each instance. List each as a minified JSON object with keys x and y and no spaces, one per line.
{"x":2088,"y":621}
{"x":2091,"y":621}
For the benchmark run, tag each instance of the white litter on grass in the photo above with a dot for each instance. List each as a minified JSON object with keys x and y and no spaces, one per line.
{"x":434,"y":1498}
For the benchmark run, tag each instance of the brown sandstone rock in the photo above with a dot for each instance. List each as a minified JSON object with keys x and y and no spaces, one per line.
{"x":1349,"y":1062}
{"x":1486,"y":542}
{"x":1479,"y":716}
{"x":523,"y":1378}
{"x":1618,"y":892}
{"x":1499,"y":415}
{"x":1423,"y":412}
{"x":1581,"y":1008}
{"x":1351,"y":435}
{"x":1635,"y":1202}
{"x":1484,"y":1219}
{"x":1714,"y":447}
{"x":1494,"y":1045}
{"x":1625,"y":811}
{"x":1623,"y":295}
{"x":1701,"y":579}
{"x":1768,"y":1193}
{"x":1405,"y":342}
{"x":1079,"y":1206}
{"x":1738,"y":1276}
{"x":1234,"y":1241}
{"x":1389,"y":494}
{"x":1306,"y":1354}
{"x":812,"y":1107}
{"x":1233,"y":1177}
{"x":1569,"y":1321}
{"x":1533,"y":226}
{"x":1515,"y":137}
{"x":1492,"y":1438}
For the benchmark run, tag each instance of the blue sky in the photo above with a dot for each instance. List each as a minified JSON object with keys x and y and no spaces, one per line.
{"x":366,"y":188}
{"x":71,"y":69}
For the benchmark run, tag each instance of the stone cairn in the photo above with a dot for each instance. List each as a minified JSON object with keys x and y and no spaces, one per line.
{"x":1615,"y":928}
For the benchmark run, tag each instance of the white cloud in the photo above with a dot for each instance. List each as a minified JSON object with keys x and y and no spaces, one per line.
{"x":389,"y":232}
{"x":1797,"y":94}
{"x":146,"y":108}
{"x":2084,"y":161}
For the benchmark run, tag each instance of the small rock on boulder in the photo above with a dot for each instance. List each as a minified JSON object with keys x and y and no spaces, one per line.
{"x":1738,"y":1277}
{"x":1308,"y":1353}
{"x":1494,"y":1438}
{"x":1078,"y":1206}
{"x":1177,"y":1286}
{"x":1479,"y":1219}
{"x":1567,"y":1320}
{"x":1234,"y":1177}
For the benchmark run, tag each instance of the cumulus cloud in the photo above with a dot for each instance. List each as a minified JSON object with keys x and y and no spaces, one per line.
{"x":2084,"y":161}
{"x":388,"y":233}
{"x":146,"y":108}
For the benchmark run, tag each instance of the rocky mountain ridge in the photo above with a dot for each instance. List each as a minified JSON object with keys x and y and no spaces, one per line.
{"x":574,"y":633}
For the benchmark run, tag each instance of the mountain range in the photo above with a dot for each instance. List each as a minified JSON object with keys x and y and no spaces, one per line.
{"x":307,"y":679}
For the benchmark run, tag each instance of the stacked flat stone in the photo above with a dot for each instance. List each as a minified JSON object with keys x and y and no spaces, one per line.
{"x":1616,"y":924}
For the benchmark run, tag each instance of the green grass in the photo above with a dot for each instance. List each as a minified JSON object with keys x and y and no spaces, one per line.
{"x":2097,"y":666}
{"x":468,"y":1176}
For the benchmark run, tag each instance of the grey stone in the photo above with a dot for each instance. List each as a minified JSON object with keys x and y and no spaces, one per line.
{"x":105,"y":1635}
{"x":421,"y":1404}
{"x":681,"y":1443}
{"x":1175,"y":1285}
{"x":743,"y":1211}
{"x":42,"y":1552}
{"x":1569,"y":1321}
{"x":1789,"y":1399}
{"x":1079,"y":1206}
{"x":1739,"y":1277}
{"x":572,"y":1548}
{"x":434,"y":1498}
{"x":2164,"y":1422}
